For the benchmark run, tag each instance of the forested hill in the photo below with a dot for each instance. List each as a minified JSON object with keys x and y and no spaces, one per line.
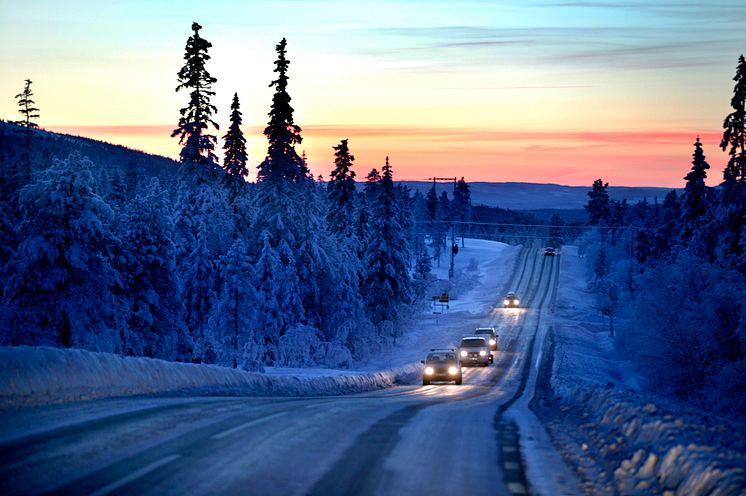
{"x":513,"y":196}
{"x":47,"y":145}
{"x":535,"y":196}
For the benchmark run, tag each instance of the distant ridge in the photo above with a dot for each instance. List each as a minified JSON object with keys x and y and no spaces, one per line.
{"x":536,"y":196}
{"x":513,"y":196}
{"x":50,"y":144}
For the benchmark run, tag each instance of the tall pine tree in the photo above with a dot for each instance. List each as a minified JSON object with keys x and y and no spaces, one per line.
{"x":234,"y":145}
{"x":282,"y":161}
{"x":733,"y":199}
{"x":341,"y":191}
{"x":198,"y":145}
{"x":26,"y":106}
{"x":598,"y":206}
{"x":461,"y":203}
{"x":386,"y":283}
{"x":694,"y":199}
{"x":734,"y":136}
{"x":29,"y":112}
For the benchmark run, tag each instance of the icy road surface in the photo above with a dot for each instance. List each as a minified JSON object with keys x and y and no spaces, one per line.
{"x":438,"y":439}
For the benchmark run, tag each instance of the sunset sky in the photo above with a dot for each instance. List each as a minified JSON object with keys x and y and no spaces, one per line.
{"x":545,"y":91}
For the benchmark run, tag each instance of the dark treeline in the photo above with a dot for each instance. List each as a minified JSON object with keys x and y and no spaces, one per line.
{"x":117,"y":251}
{"x":671,"y":276}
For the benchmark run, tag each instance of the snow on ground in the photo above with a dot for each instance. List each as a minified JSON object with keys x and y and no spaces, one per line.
{"x":476,"y":292}
{"x":36,"y":376}
{"x":39,"y":375}
{"x":618,"y":439}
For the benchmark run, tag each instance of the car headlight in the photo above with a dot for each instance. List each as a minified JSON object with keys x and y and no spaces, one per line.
{"x":482,"y":353}
{"x":517,"y":302}
{"x":453,"y":370}
{"x":463,"y":353}
{"x":429,"y":371}
{"x":506,"y":302}
{"x":493,"y":342}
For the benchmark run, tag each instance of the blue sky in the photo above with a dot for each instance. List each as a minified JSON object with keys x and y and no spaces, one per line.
{"x":385,"y":73}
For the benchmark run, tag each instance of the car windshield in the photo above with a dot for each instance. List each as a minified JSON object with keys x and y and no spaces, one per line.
{"x":473,"y":342}
{"x":441,"y":357}
{"x":484,"y":331}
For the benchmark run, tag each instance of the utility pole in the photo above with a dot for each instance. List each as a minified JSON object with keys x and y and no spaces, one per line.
{"x":454,"y":250}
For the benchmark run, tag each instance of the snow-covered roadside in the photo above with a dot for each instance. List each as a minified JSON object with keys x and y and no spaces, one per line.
{"x":618,"y":439}
{"x":37,"y":376}
{"x":485,"y":267}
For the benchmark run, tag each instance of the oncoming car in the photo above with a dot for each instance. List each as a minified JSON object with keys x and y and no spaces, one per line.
{"x":549,"y":251}
{"x":441,"y":365}
{"x":475,"y":350}
{"x":511,"y":301}
{"x":490,"y":334}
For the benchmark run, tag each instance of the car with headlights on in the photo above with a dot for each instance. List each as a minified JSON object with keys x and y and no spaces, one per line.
{"x":490,"y":334}
{"x":475,"y":350}
{"x":511,"y":301}
{"x":550,"y":251}
{"x":442,"y":365}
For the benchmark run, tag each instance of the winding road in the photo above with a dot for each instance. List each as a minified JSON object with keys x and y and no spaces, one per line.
{"x":438,"y":439}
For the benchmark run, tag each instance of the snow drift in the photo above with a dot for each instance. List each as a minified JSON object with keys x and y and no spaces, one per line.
{"x":32,"y":376}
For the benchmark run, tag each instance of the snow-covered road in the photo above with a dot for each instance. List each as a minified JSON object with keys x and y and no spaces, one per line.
{"x":438,"y":439}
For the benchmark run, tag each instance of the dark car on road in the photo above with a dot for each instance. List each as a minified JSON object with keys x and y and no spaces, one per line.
{"x":550,"y":252}
{"x":442,"y":365}
{"x":511,"y":301}
{"x":475,"y":350}
{"x":490,"y":334}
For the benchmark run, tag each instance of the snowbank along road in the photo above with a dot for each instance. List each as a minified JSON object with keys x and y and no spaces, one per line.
{"x":437,"y":439}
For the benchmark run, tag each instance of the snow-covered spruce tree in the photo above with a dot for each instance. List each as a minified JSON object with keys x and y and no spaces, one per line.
{"x":7,"y":249}
{"x":198,"y":146}
{"x":203,"y":206}
{"x":694,"y":200}
{"x":29,"y":112}
{"x":282,"y":161}
{"x":362,"y":210}
{"x":387,"y":284}
{"x":234,"y":321}
{"x":732,"y":211}
{"x":204,"y":231}
{"x":150,"y":278}
{"x":664,"y":234}
{"x":598,"y":207}
{"x":234,"y":145}
{"x":341,"y":190}
{"x":199,"y":283}
{"x":61,"y":289}
{"x":279,"y":306}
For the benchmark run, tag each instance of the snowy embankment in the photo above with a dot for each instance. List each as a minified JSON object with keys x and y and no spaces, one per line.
{"x":37,"y":376}
{"x":618,"y":438}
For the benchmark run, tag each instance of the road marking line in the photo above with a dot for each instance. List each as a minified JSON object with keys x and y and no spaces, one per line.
{"x":247,"y":424}
{"x":511,"y":466}
{"x":134,"y":475}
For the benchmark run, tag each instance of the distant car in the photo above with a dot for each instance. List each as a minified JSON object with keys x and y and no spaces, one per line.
{"x":550,"y":252}
{"x":475,"y":350}
{"x":511,"y":301}
{"x":441,"y":365}
{"x":490,"y":334}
